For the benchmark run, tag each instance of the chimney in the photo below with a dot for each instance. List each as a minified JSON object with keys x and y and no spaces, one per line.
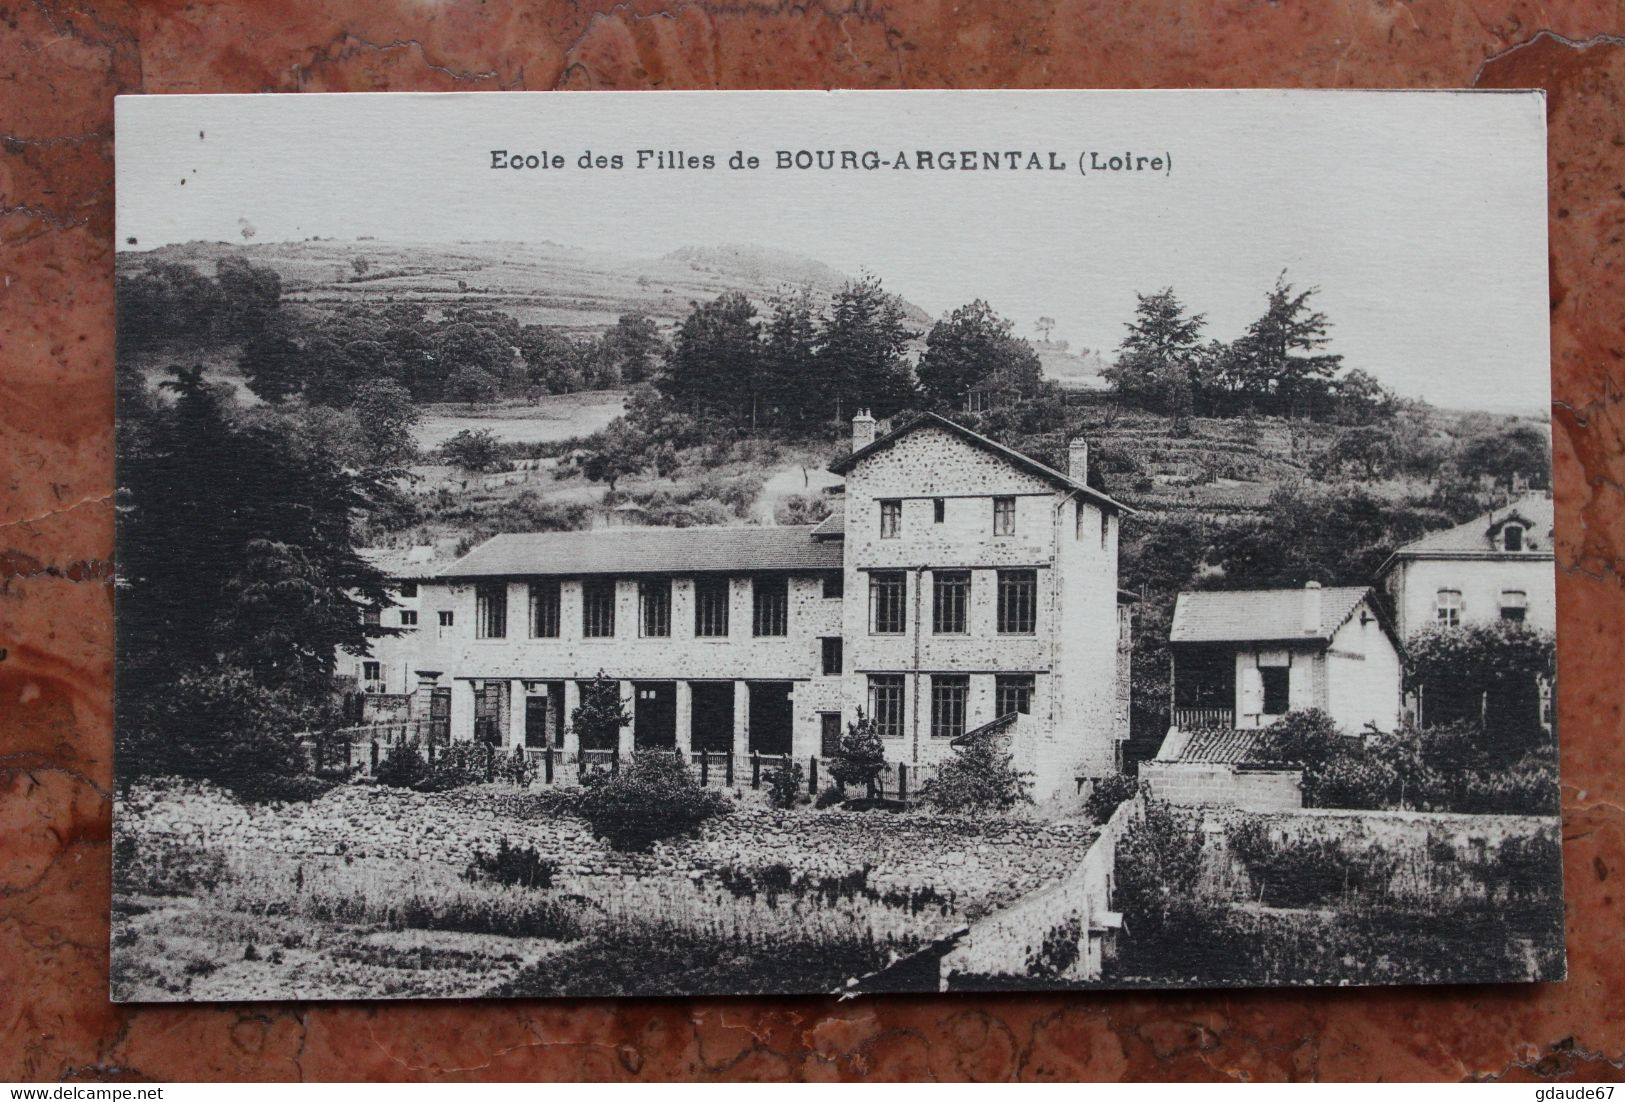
{"x":1077,"y":460}
{"x":863,"y":430}
{"x":1311,"y":608}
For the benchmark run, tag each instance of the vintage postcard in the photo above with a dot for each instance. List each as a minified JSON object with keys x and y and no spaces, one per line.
{"x":729,"y":543}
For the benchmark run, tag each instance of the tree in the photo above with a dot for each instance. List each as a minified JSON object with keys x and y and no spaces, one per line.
{"x":861,"y":755}
{"x":472,"y":385}
{"x":166,"y":303}
{"x":1486,"y":674}
{"x":250,"y":296}
{"x":598,"y":719}
{"x":974,"y":346}
{"x":387,"y":415}
{"x":1284,"y":346}
{"x":1361,"y":399}
{"x":1519,"y":451}
{"x":715,"y":362}
{"x":479,"y":349}
{"x":1158,"y":357}
{"x":795,"y":388}
{"x":553,"y":362}
{"x":273,"y":365}
{"x":473,"y":450}
{"x":618,"y":452}
{"x":862,"y":351}
{"x":1371,"y":450}
{"x":1045,"y":326}
{"x":635,"y":347}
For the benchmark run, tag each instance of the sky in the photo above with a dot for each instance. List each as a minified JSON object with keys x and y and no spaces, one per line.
{"x":1420,"y":216}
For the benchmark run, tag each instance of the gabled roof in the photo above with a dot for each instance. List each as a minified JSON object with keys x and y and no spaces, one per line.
{"x":1025,"y":463}
{"x":1476,"y":538}
{"x":832,"y":526}
{"x":621,"y":551}
{"x":1262,"y":615}
{"x":1216,"y":746}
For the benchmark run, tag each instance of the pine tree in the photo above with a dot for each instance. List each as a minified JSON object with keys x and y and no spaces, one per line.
{"x":975,"y":346}
{"x":1284,"y":348}
{"x":1159,"y":356}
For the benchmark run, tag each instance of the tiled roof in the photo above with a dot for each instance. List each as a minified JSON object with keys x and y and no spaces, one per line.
{"x":1261,"y":615}
{"x":832,"y":526}
{"x":1026,"y":463}
{"x":649,"y":551}
{"x":1475,"y":538}
{"x":1214,"y":747}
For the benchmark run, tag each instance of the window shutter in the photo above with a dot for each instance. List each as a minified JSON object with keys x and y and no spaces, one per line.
{"x":1300,"y":690}
{"x":1252,"y":691}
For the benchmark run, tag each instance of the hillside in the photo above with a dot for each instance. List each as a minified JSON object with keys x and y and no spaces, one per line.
{"x":580,"y":290}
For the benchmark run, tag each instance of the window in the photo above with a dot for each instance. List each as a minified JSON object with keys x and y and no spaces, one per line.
{"x":891,"y":519}
{"x":409,"y":618}
{"x":371,"y":671}
{"x":831,"y":650}
{"x":1105,"y":527}
{"x":834,"y":584}
{"x":369,"y":616}
{"x":711,"y":608}
{"x":447,"y":619}
{"x":1018,"y":602}
{"x":948,"y":705}
{"x":654,"y":608}
{"x":1447,"y":607}
{"x":888,"y":603}
{"x":1004,"y":516}
{"x":598,"y":609}
{"x":886,"y":704}
{"x":770,"y":598}
{"x":1514,"y":605}
{"x":829,"y":734}
{"x":1512,"y":537}
{"x":1277,"y":682}
{"x":1013,"y":692}
{"x":949,"y":598}
{"x":491,"y":611}
{"x":409,"y":589}
{"x":939,"y":510}
{"x":544,"y":609}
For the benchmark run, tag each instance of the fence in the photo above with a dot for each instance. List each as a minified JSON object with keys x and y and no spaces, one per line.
{"x":1198,"y":719}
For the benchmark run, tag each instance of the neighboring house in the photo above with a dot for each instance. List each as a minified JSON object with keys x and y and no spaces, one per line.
{"x":958,"y":582}
{"x":1499,"y":566}
{"x":1244,"y":658}
{"x":389,"y":669}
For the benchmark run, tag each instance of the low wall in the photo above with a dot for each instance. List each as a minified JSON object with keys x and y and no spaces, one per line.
{"x":1207,"y":784}
{"x":1067,"y":927}
{"x":984,"y":862}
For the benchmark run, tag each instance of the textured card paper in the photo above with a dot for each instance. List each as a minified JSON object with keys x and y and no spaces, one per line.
{"x":730,"y":543}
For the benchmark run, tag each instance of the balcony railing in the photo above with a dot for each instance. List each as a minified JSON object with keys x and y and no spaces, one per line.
{"x":1195,"y":719}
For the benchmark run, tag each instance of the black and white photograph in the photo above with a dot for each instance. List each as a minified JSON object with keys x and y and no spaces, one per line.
{"x":581,"y":544}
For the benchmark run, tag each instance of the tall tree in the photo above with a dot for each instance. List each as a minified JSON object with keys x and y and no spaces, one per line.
{"x":863,"y":349}
{"x":715,"y":360}
{"x":1285,"y":346}
{"x":1159,"y":356}
{"x":634,"y":344}
{"x":974,"y":346}
{"x":795,"y":387}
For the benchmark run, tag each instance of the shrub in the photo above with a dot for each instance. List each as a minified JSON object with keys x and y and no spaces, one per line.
{"x":1486,"y":675}
{"x":403,"y":767}
{"x":785,"y":786}
{"x":1305,"y":738}
{"x":1107,"y":792}
{"x":514,"y":866}
{"x":981,"y":776}
{"x":1166,"y":928}
{"x":598,"y":719}
{"x":1350,"y":780}
{"x":861,"y":755}
{"x":651,"y":798}
{"x":516,"y":769}
{"x":459,"y":764}
{"x":1304,"y":872}
{"x":1059,"y":951}
{"x":830,"y":796}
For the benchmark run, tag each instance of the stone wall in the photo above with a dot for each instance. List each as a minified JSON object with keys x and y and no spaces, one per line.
{"x":1212,"y":784}
{"x":985,"y":862}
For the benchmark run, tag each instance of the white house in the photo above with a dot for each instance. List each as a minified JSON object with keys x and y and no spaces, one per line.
{"x":959,"y":582}
{"x":1244,"y":658}
{"x":1499,"y":566}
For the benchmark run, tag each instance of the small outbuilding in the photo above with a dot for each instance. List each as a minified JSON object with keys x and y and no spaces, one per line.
{"x":1243,"y":658}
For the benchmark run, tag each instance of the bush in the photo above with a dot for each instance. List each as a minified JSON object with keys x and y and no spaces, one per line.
{"x":403,"y":767}
{"x":784,"y":788}
{"x":1350,"y":780}
{"x":516,"y":769}
{"x":653,"y":797}
{"x":1304,"y":872}
{"x":511,"y":865}
{"x":981,"y":776}
{"x":457,"y":765}
{"x":1304,"y":738}
{"x":1487,"y":675}
{"x":830,"y":796}
{"x":1107,"y":792}
{"x":861,"y":755}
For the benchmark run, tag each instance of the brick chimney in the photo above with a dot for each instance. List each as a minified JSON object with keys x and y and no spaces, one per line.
{"x":863,"y":430}
{"x":1311,"y":608}
{"x":1077,"y":460}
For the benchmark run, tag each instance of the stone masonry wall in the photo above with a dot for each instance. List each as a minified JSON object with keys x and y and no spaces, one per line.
{"x":984,"y":862}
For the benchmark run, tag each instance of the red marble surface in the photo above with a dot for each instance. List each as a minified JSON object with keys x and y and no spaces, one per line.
{"x":61,"y":62}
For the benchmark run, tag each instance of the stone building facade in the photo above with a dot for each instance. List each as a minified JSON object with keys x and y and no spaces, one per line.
{"x":958,"y":581}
